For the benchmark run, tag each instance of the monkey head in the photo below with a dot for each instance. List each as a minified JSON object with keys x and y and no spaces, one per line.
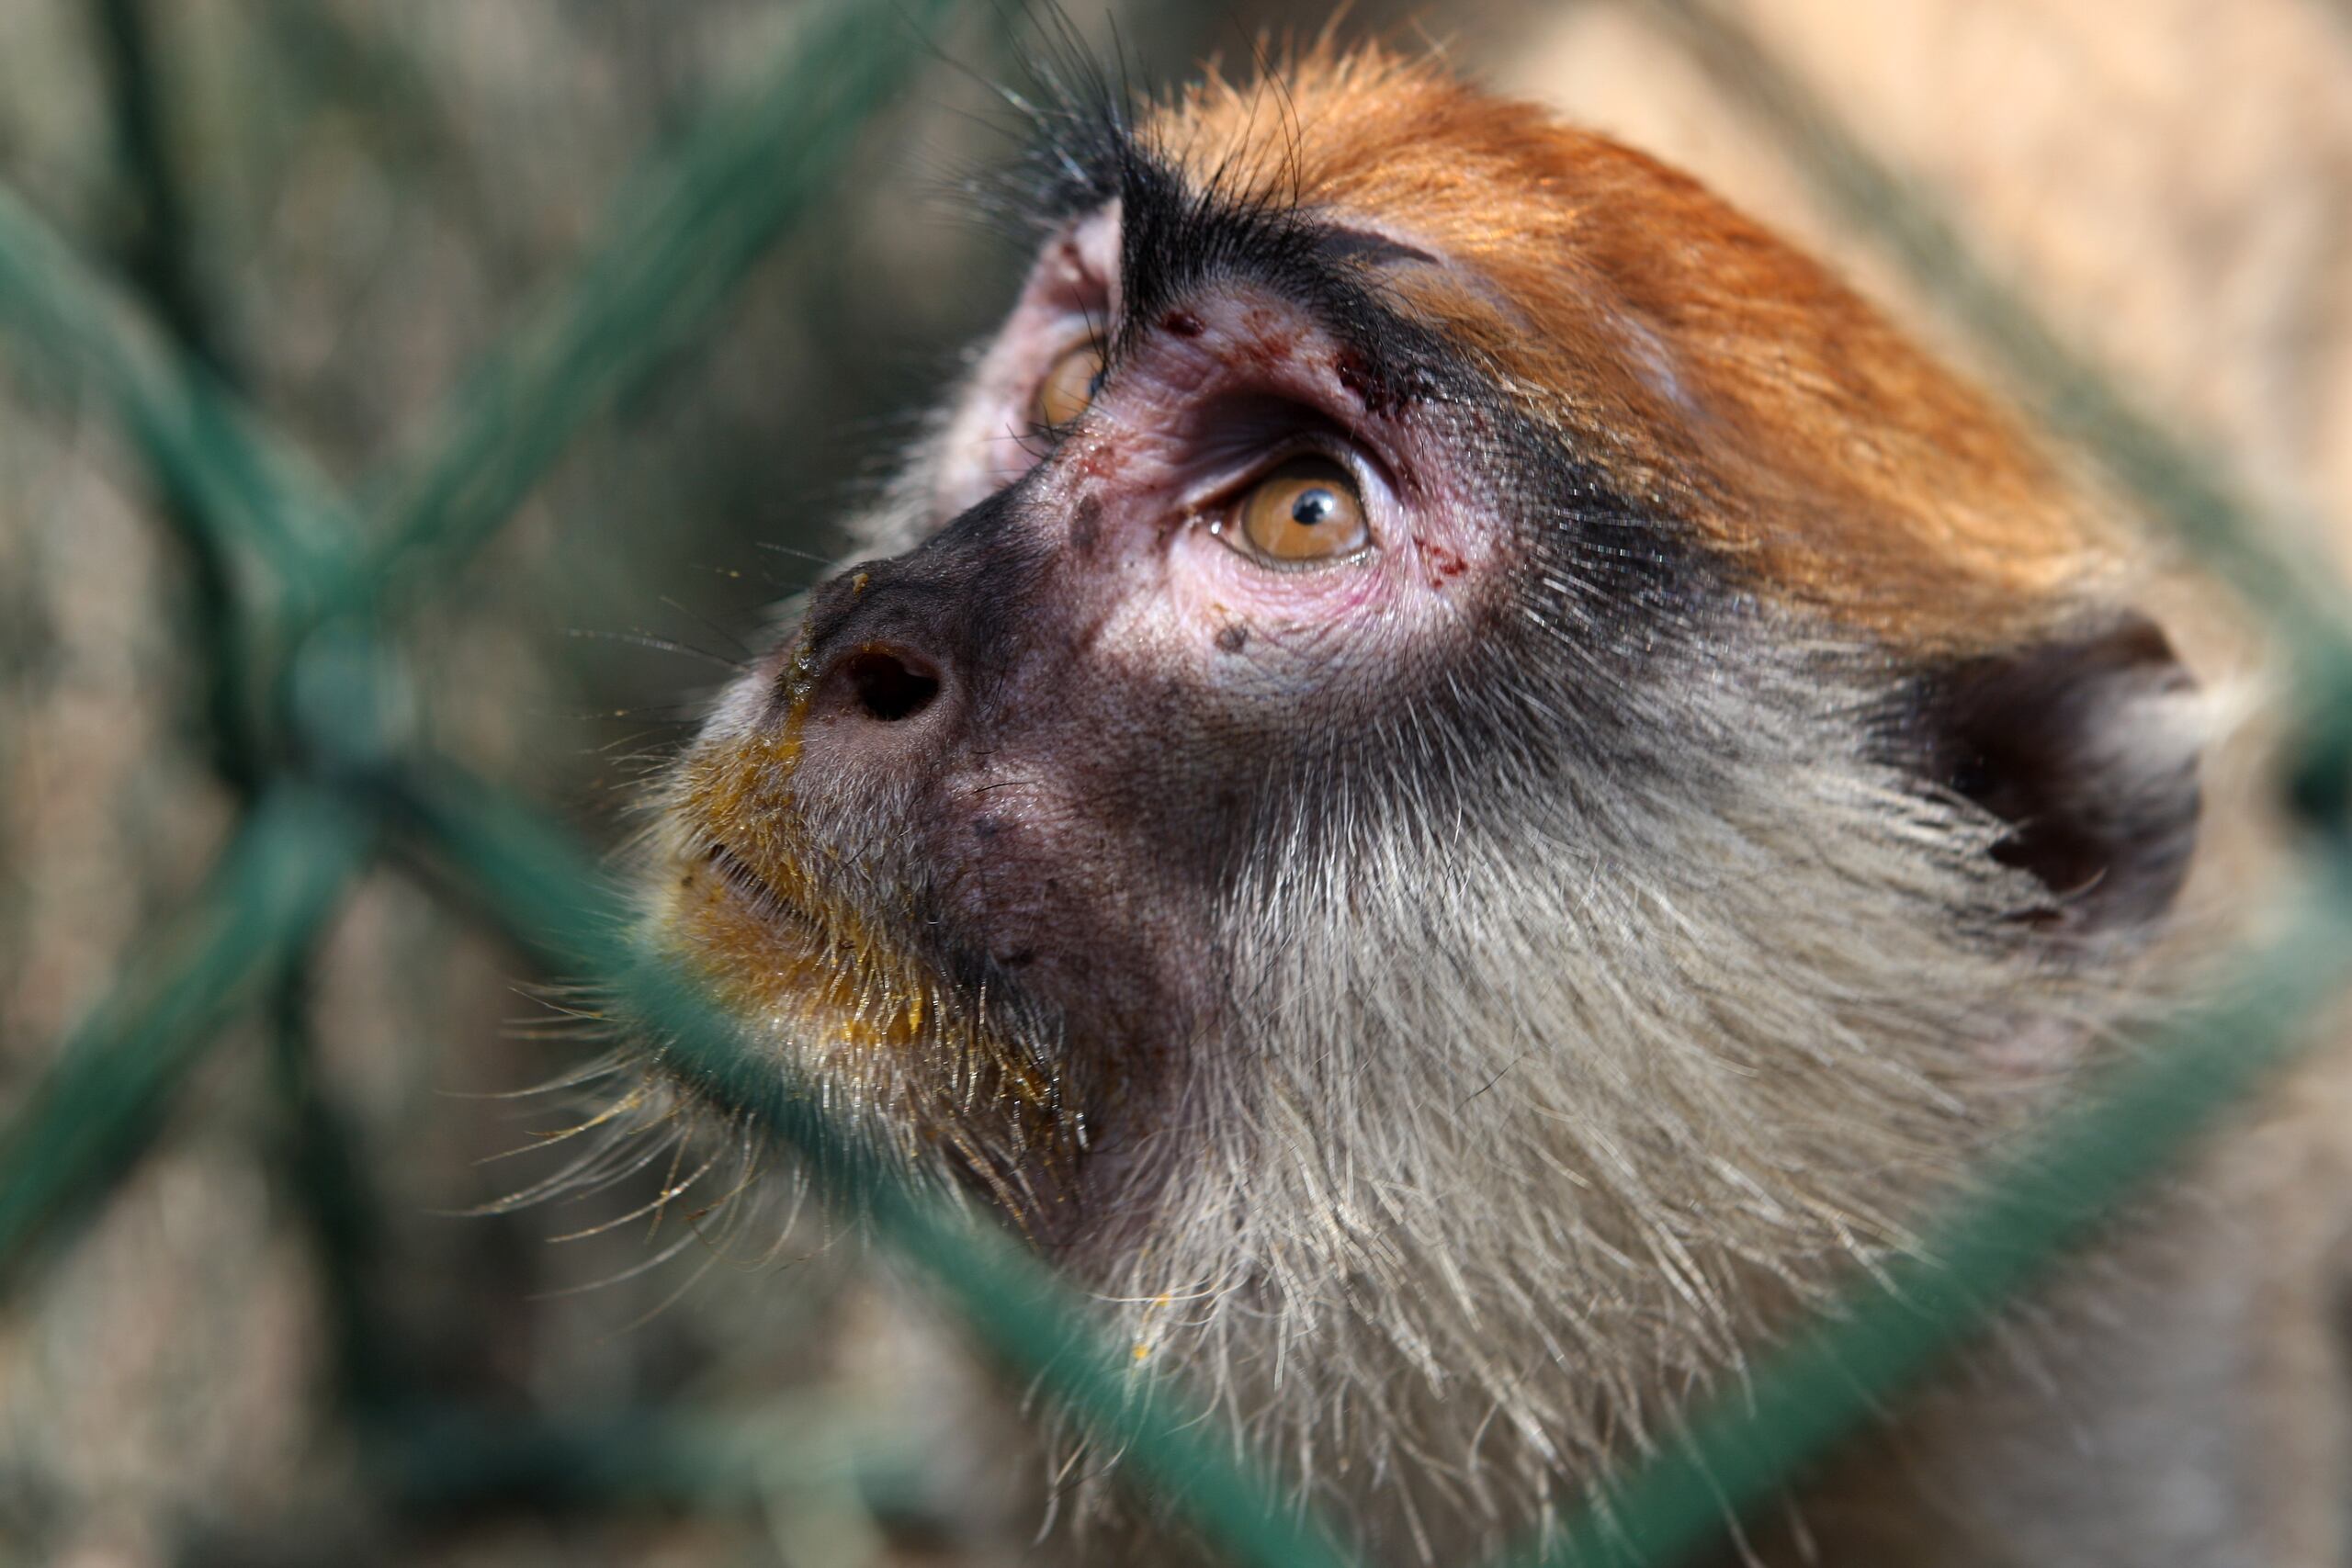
{"x":1452,"y":772}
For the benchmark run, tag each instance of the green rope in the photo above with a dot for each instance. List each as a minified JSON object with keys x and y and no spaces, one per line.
{"x":93,"y":1114}
{"x":676,"y":249}
{"x":535,"y":886}
{"x":683,"y":239}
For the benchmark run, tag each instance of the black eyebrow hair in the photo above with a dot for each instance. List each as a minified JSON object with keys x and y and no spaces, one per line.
{"x":1176,"y":237}
{"x":1341,"y":243}
{"x":1617,"y":562}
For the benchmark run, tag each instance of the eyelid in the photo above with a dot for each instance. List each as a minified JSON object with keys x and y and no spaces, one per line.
{"x":1236,"y":433}
{"x":1229,"y":486}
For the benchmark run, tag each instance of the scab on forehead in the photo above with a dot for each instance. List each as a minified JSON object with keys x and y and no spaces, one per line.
{"x":1379,"y":397}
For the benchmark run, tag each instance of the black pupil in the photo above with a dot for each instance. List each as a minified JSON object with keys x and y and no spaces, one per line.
{"x":1314,"y":507}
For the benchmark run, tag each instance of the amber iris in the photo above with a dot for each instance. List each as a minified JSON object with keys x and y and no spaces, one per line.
{"x":1305,"y":511}
{"x":1069,"y":385}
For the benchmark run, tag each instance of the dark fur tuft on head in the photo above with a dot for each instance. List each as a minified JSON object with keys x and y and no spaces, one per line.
{"x":1072,"y":128}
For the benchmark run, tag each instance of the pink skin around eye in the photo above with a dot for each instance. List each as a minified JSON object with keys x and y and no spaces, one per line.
{"x":1198,"y":409}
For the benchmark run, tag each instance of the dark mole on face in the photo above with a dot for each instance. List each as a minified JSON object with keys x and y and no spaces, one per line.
{"x":1086,"y":525}
{"x":1184,"y":323}
{"x":1232,"y":636}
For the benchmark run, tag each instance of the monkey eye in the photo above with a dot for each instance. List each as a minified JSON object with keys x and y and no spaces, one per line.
{"x":1305,"y":512}
{"x":1069,"y":386}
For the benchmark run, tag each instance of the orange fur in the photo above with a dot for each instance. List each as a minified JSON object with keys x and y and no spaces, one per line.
{"x":1694,"y":355}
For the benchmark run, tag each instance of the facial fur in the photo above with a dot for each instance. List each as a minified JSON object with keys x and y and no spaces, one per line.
{"x":1458,"y":995}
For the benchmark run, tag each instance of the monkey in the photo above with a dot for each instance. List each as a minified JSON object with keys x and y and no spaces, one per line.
{"x":1458,"y":780}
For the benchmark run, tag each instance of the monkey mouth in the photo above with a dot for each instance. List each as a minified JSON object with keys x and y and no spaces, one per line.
{"x":772,"y":944}
{"x":757,"y":893}
{"x":778,"y":946}
{"x":877,"y":1022}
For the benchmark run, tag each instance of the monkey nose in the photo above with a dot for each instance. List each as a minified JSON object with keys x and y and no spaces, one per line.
{"x":878,"y":684}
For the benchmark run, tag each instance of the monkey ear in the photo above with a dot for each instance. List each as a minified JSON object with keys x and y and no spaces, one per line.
{"x":2086,"y":748}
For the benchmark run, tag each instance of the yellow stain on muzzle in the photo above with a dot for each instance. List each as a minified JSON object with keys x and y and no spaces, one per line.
{"x":745,"y":900}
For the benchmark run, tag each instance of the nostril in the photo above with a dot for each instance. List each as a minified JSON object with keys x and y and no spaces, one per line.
{"x":888,"y":684}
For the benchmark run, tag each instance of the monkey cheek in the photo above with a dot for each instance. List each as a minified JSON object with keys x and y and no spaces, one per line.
{"x":1068,"y":893}
{"x":1337,"y":632}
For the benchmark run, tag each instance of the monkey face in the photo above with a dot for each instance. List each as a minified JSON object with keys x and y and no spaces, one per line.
{"x":996,"y":786}
{"x":1447,"y":748}
{"x":1216,"y":526}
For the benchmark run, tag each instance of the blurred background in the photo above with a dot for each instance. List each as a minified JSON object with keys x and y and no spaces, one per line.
{"x":305,"y":1328}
